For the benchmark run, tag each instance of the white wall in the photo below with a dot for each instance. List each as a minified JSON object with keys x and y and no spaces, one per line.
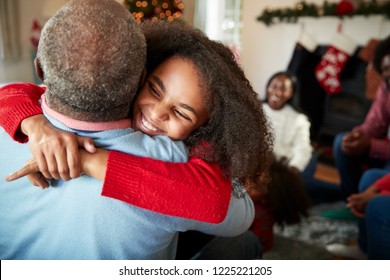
{"x":22,"y":69}
{"x":266,"y":50}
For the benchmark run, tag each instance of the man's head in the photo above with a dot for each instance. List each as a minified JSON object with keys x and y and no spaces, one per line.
{"x":382,"y":59}
{"x":92,"y":54}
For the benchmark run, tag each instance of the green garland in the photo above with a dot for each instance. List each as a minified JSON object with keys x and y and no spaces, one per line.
{"x":303,"y":9}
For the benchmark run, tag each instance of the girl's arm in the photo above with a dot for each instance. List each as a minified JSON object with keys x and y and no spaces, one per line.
{"x":21,"y":115}
{"x":18,"y":102}
{"x":195,"y":190}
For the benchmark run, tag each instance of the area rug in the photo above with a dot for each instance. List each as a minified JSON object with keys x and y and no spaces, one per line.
{"x":321,"y":231}
{"x":308,"y":239}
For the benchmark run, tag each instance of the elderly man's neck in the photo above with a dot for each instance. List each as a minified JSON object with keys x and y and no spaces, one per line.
{"x":101,"y":116}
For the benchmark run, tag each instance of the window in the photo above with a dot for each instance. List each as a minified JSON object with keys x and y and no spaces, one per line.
{"x":220,"y":20}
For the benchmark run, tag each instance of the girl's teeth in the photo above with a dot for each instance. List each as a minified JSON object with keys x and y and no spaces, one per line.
{"x":148,"y":125}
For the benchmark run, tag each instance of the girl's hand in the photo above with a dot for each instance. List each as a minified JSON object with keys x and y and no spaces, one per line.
{"x":55,"y":151}
{"x":30,"y":170}
{"x":94,"y":165}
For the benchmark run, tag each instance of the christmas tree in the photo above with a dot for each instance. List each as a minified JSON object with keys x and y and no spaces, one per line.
{"x":155,"y":9}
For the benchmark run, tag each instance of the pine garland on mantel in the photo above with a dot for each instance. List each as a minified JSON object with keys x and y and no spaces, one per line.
{"x":343,"y":8}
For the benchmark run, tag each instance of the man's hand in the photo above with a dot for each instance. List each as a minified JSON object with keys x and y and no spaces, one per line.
{"x":356,"y":143}
{"x":358,"y":202}
{"x":55,"y":151}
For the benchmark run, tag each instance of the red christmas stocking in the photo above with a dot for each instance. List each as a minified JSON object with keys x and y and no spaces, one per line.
{"x":333,"y":61}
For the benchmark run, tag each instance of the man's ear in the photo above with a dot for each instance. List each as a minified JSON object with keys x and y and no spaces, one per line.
{"x":38,"y":69}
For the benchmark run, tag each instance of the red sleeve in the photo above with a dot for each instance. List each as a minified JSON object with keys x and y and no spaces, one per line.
{"x":17,"y":102}
{"x":383,"y":184}
{"x":193,"y":190}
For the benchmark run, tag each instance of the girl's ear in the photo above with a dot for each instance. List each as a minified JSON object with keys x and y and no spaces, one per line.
{"x":38,"y":69}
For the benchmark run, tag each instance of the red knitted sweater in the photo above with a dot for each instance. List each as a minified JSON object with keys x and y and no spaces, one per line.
{"x":194,"y":190}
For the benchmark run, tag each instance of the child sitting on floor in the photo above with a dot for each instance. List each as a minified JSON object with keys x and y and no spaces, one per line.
{"x":279,"y":199}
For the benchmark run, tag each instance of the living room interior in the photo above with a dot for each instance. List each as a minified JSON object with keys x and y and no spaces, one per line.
{"x":262,"y":48}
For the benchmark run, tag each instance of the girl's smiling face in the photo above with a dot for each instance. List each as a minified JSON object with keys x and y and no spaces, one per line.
{"x":279,"y":91}
{"x":171,"y":101}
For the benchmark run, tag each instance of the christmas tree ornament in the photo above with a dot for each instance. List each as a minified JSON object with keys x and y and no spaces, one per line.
{"x":333,"y":61}
{"x":344,"y":7}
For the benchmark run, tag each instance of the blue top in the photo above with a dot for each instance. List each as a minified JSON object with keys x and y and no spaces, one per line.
{"x":71,"y":220}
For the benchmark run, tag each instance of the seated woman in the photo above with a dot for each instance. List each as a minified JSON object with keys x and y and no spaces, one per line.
{"x":292,"y":135}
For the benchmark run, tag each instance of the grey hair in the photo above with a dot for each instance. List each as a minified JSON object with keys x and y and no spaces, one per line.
{"x":92,"y":54}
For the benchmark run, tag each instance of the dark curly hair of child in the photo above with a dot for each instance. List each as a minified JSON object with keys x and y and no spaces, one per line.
{"x":280,"y":200}
{"x":237,"y":131}
{"x":381,"y":50}
{"x":286,"y":195}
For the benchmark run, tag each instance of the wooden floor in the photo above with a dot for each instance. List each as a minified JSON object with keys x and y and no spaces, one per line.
{"x":327,"y":173}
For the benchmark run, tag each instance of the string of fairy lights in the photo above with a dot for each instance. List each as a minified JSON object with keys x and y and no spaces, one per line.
{"x":154,"y":10}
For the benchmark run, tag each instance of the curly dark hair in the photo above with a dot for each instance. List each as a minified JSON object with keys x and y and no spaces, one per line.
{"x":286,"y":195}
{"x":381,"y":50}
{"x":237,"y":130}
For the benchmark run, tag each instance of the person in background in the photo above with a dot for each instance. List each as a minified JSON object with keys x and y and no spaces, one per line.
{"x":291,"y":129}
{"x":280,"y":199}
{"x":372,"y":206}
{"x":60,"y":197}
{"x":367,"y":145}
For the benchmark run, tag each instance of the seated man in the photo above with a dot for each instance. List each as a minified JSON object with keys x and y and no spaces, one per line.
{"x":368,"y":144}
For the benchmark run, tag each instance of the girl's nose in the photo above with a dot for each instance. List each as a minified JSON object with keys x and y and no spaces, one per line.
{"x":159,"y":112}
{"x":278,"y":91}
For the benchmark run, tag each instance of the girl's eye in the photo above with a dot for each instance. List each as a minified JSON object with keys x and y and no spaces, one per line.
{"x":182,"y":115}
{"x":154,"y":91}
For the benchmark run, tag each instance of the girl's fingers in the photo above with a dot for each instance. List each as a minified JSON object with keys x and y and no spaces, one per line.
{"x":42,"y":164}
{"x":29,"y":168}
{"x":38,"y":180}
{"x":52,"y":168}
{"x":59,"y":166}
{"x":74,"y":164}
